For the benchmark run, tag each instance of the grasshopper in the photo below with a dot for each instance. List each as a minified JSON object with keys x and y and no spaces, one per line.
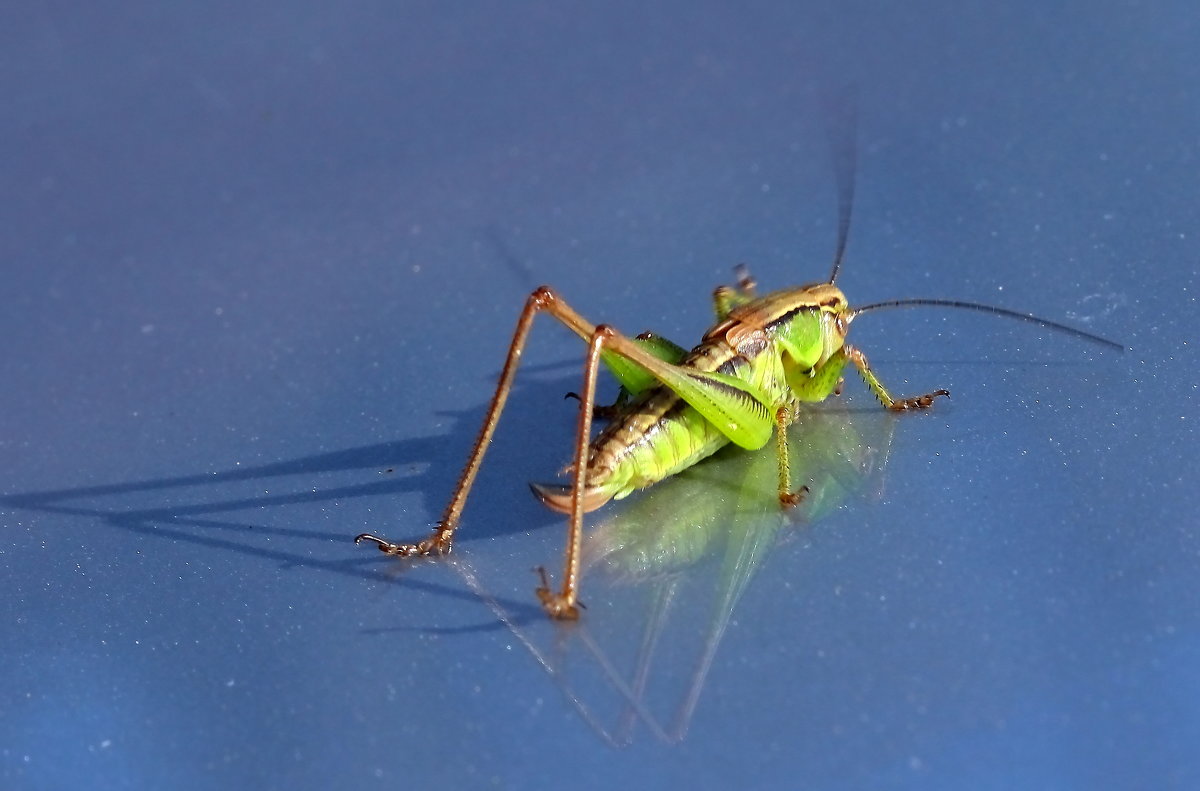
{"x":745,"y":381}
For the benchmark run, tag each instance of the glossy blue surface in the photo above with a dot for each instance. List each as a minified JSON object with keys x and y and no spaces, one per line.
{"x":260,"y":266}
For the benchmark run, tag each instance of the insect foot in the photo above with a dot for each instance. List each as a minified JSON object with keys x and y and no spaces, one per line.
{"x":437,"y":544}
{"x":792,"y":499}
{"x":557,"y":605}
{"x":917,"y":402}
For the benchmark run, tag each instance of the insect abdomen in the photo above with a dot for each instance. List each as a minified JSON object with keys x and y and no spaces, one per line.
{"x":679,"y":438}
{"x":664,"y":436}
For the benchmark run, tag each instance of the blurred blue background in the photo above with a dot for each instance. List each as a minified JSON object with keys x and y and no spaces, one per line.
{"x":260,"y":264}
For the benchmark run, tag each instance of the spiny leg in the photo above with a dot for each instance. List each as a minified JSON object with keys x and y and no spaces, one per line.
{"x":564,"y":605}
{"x":439,"y":541}
{"x":885,"y":398}
{"x":787,"y":497}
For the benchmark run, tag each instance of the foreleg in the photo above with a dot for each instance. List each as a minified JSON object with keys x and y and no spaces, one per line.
{"x":876,"y":387}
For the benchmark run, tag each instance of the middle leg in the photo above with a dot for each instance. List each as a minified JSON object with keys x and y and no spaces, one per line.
{"x":788,"y":497}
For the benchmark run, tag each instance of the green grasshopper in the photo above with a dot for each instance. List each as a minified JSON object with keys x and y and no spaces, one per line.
{"x":745,"y":381}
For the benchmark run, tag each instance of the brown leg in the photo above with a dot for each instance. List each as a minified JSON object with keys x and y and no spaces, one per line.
{"x":564,"y":605}
{"x":439,"y":541}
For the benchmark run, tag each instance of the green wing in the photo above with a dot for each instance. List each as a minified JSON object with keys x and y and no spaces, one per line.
{"x":737,"y":408}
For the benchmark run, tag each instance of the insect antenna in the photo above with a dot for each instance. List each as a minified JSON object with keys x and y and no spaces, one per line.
{"x":992,"y":309}
{"x":842,"y":129}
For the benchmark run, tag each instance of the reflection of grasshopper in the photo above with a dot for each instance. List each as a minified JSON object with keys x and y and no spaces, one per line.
{"x":712,"y":505}
{"x":743,"y":384}
{"x":724,"y":514}
{"x":679,"y":559}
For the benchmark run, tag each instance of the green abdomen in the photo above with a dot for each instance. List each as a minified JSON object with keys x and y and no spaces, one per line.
{"x":662,"y":438}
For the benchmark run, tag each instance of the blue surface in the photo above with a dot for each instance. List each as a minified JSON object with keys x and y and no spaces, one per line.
{"x":260,"y":267}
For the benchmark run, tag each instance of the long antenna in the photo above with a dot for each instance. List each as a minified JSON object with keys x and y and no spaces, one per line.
{"x":842,"y":128}
{"x":992,"y":309}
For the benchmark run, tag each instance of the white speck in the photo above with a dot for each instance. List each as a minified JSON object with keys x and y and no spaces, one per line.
{"x":230,"y":683}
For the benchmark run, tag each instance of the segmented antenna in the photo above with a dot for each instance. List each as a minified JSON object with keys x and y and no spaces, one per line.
{"x":842,"y":128}
{"x":992,"y":309}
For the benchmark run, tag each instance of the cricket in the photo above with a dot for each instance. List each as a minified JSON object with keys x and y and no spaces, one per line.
{"x":764,"y":358}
